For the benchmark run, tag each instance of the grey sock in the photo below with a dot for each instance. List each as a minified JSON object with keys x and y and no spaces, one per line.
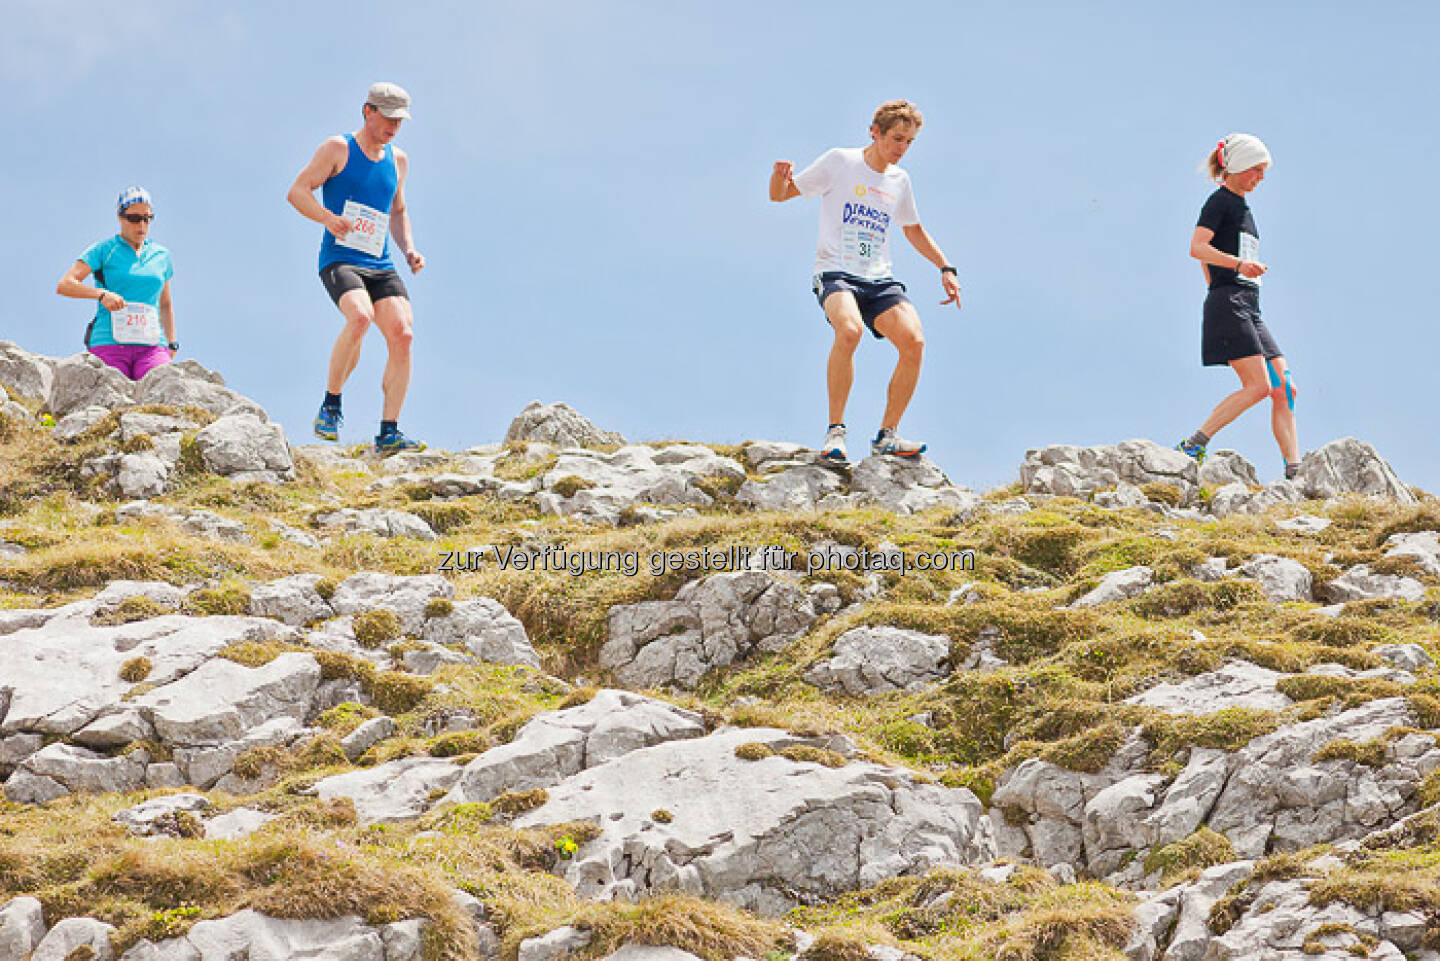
{"x":1291,"y":470}
{"x":1198,"y":439}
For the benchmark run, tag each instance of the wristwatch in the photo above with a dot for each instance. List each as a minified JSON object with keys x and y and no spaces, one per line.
{"x":173,"y":345}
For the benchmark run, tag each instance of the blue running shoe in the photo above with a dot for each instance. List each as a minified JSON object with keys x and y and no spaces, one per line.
{"x":395,"y":442}
{"x":834,"y":447}
{"x":327,"y":423}
{"x":1194,"y":451}
{"x":886,"y":442}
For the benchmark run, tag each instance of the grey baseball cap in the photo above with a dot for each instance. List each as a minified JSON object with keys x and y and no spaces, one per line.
{"x":390,"y":99}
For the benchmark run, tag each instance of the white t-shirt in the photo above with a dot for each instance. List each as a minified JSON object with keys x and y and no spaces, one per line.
{"x":857,"y":208}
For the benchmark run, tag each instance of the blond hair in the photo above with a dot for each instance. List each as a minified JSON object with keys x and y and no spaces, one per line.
{"x":1213,"y":165}
{"x":892,"y":112}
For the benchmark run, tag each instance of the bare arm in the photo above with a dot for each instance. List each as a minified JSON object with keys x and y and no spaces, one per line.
{"x":782,"y":182}
{"x":400,"y":216}
{"x":327,"y":162}
{"x":927,"y":248}
{"x":167,"y":314}
{"x":73,"y":285}
{"x":1207,"y":253}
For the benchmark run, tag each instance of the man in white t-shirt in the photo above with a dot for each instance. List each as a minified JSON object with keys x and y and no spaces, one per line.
{"x":862,"y":193}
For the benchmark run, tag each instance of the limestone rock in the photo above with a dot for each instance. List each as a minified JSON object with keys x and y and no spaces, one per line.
{"x":1423,"y":547}
{"x":394,"y":791}
{"x":1281,"y":578}
{"x":710,"y":623}
{"x":910,"y":486}
{"x":243,"y":444}
{"x":1350,"y":466}
{"x":1069,"y":471}
{"x":488,"y":631}
{"x":869,"y":660}
{"x":407,"y":596}
{"x":1118,"y":586}
{"x":380,"y":521}
{"x":558,"y":744}
{"x":1359,"y":583}
{"x":763,"y":834}
{"x":558,"y":424}
{"x":73,"y":933}
{"x":292,"y":600}
{"x":27,"y":374}
{"x":84,"y":380}
{"x":22,"y":921}
{"x":797,"y":488}
{"x":1236,"y":684}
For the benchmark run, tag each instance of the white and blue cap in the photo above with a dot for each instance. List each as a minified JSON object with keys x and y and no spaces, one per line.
{"x":132,"y":195}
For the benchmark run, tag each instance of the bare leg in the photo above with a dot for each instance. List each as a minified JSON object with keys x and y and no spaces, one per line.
{"x":1254,"y":385}
{"x":901,"y":326}
{"x":396,"y":322}
{"x":359,"y":314}
{"x":1282,"y":418}
{"x":844,"y":315}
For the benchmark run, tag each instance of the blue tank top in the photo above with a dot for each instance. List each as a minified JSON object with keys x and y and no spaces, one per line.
{"x":365,"y":181}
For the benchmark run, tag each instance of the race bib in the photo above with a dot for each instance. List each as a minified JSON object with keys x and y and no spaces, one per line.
{"x":862,"y":251}
{"x":1249,"y":250}
{"x":135,"y":324}
{"x":367,"y":230}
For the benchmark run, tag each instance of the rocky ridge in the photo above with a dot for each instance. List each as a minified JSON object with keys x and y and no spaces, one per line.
{"x":263,"y":701}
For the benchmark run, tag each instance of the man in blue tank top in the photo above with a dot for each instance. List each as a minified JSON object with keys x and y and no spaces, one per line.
{"x":361,"y":179}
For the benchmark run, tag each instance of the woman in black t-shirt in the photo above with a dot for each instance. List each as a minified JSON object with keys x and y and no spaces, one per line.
{"x":1228,"y":247}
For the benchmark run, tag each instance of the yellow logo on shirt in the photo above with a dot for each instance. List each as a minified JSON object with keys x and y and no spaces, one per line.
{"x":860,"y":190}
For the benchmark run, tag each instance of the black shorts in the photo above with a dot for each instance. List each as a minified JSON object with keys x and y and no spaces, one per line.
{"x":873,"y":297}
{"x":379,"y":284}
{"x":1233,"y":328}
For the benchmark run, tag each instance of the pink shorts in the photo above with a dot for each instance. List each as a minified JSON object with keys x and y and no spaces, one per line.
{"x":132,"y":360}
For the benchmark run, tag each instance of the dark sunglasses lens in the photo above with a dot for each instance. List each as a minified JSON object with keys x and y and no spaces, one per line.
{"x":139,"y":218}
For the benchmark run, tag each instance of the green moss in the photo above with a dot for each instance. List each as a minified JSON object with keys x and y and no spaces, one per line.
{"x":1189,"y":596}
{"x":341,"y":719}
{"x":1088,"y":751}
{"x":136,"y":669}
{"x":814,"y":755}
{"x":394,"y":692}
{"x":457,"y":743}
{"x":446,"y":517}
{"x":1227,"y":730}
{"x":753,"y":751}
{"x":131,"y":609}
{"x":326,"y":588}
{"x":1163,"y":492}
{"x":231,"y":597}
{"x":661,"y":816}
{"x":1369,"y":753}
{"x":518,"y":802}
{"x":439,"y":607}
{"x":1188,"y":856}
{"x":570,"y":485}
{"x":374,"y":628}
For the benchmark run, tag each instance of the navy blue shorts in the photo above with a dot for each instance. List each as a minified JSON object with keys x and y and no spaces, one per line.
{"x":1233,"y":328}
{"x":873,"y":297}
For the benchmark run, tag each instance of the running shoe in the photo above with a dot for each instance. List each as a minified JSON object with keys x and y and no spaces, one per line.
{"x":886,"y":442}
{"x":834,"y":446}
{"x":327,"y":423}
{"x":395,"y":442}
{"x":1194,"y":451}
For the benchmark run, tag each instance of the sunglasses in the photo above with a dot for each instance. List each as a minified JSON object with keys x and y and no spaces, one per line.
{"x":139,"y":218}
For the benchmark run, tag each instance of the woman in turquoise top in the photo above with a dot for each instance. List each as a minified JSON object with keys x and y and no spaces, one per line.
{"x":134,"y":326}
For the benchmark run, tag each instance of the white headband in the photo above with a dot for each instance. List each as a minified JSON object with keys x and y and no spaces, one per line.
{"x":1241,"y":151}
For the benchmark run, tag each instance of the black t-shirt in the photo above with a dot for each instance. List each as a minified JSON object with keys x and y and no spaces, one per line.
{"x":1228,"y":215}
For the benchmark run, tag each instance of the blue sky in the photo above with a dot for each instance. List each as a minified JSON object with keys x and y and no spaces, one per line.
{"x":588,"y":184}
